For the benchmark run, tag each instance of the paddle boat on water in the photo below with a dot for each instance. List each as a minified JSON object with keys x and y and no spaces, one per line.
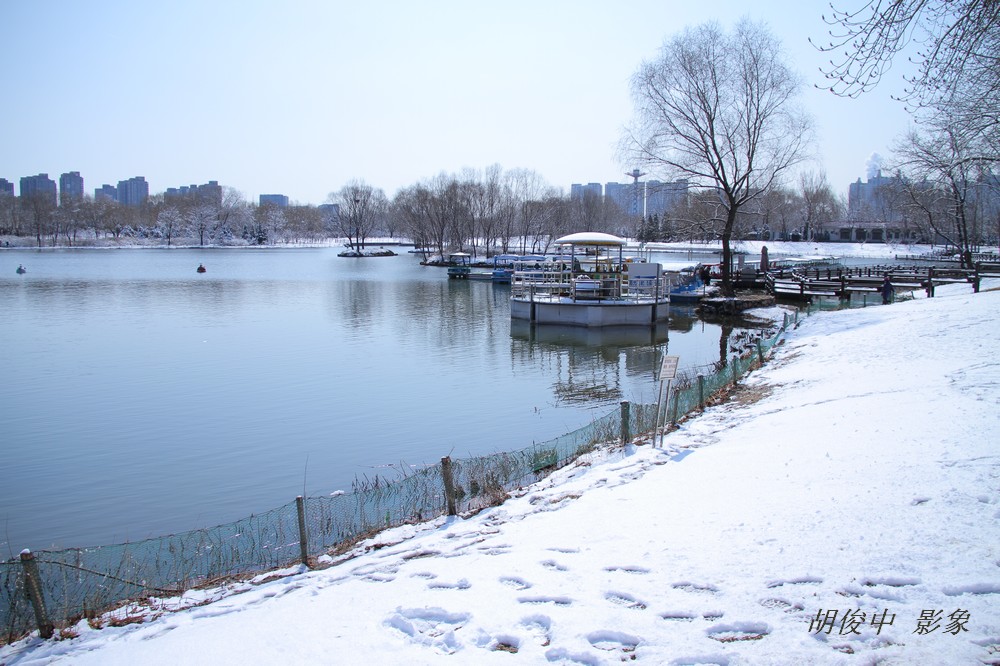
{"x":591,"y":283}
{"x":201,"y":268}
{"x":501,"y":273}
{"x":461,"y":266}
{"x":21,"y":270}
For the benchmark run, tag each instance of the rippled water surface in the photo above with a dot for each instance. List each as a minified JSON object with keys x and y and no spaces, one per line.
{"x":141,"y":398}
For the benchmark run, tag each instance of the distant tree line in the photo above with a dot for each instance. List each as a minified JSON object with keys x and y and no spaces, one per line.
{"x":489,"y":211}
{"x":177,"y":220}
{"x":494,"y":211}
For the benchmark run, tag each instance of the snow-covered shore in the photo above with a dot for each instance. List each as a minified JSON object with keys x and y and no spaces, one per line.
{"x":843,"y":508}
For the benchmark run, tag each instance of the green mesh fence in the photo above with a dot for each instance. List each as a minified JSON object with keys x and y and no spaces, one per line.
{"x":84,"y":582}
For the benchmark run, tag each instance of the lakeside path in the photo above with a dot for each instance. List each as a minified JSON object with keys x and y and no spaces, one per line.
{"x":842,"y":508}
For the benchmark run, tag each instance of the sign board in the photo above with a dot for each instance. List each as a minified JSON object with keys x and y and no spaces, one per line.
{"x":668,"y":370}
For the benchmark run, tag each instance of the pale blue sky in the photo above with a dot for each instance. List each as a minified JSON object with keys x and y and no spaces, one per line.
{"x":300,"y":97}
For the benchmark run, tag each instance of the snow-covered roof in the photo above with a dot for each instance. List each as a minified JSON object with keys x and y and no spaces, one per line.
{"x":590,"y":238}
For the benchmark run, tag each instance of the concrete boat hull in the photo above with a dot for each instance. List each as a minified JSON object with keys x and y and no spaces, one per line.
{"x":590,"y":313}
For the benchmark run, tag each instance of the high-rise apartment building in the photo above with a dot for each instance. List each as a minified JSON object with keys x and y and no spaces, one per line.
{"x":70,"y":187}
{"x":6,"y":187}
{"x":39,"y":186}
{"x":662,"y":197}
{"x":629,"y":197}
{"x":638,"y":198}
{"x":279,"y":200}
{"x":210,"y":193}
{"x":578,"y":191}
{"x":106,"y":192}
{"x":133,"y":192}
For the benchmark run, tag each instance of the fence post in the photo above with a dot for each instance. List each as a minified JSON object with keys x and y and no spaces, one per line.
{"x":701,"y":391}
{"x":449,"y":485}
{"x":677,"y":399}
{"x":300,"y":508}
{"x":760,"y":352}
{"x":626,"y":430}
{"x":33,"y":583}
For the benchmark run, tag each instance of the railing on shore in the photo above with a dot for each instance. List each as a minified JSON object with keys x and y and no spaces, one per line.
{"x":808,"y":283}
{"x":52,"y":590}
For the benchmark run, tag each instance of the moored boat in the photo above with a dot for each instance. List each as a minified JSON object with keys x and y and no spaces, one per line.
{"x":590,"y":284}
{"x":460,"y":265}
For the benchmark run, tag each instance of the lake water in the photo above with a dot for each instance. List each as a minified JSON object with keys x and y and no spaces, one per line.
{"x":140,"y":398}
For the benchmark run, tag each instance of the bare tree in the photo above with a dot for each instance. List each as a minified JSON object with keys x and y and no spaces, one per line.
{"x":529,"y":191}
{"x":40,"y":209}
{"x":9,"y":217}
{"x":719,"y":109}
{"x":777,"y":211}
{"x":231,"y":215}
{"x":956,"y":39}
{"x":170,"y":222}
{"x":361,"y":209}
{"x":957,"y":58}
{"x":820,"y":206}
{"x":201,"y":218}
{"x":939,"y":163}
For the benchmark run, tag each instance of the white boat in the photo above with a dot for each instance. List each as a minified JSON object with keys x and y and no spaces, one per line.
{"x":592,"y":283}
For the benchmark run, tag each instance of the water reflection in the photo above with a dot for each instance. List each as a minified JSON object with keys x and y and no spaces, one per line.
{"x":204,"y":398}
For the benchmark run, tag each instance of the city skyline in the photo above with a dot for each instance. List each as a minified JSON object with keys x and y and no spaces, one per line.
{"x":304,"y":98}
{"x":71,"y":184}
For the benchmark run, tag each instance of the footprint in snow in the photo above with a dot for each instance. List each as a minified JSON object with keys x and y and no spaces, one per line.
{"x":629,"y":569}
{"x":556,"y":600}
{"x":971,"y":588}
{"x":516,"y":582}
{"x":891,"y":581}
{"x":738,"y":631}
{"x":430,"y":627}
{"x":555,"y":566}
{"x":800,"y":580}
{"x":615,"y":641}
{"x":706,"y":588}
{"x":626,"y":600}
{"x":540,"y":627}
{"x":678,"y":616}
{"x":461,"y":584}
{"x":777,"y":603}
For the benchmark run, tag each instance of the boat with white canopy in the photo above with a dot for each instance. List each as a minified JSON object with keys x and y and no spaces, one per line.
{"x":591,"y":283}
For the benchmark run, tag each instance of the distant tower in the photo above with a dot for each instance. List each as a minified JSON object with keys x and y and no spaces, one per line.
{"x":638,"y":199}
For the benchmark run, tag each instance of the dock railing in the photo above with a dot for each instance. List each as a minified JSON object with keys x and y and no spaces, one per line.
{"x":50,"y":591}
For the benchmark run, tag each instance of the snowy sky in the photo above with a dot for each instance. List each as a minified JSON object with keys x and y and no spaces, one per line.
{"x":849,"y":515}
{"x":300,"y":97}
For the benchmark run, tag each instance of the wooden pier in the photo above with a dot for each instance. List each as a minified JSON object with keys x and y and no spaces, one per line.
{"x":809,"y":283}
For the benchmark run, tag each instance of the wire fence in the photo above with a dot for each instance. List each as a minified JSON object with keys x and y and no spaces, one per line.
{"x":53,"y":590}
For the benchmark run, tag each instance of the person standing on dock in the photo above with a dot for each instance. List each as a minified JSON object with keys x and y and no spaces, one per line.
{"x":887,"y":290}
